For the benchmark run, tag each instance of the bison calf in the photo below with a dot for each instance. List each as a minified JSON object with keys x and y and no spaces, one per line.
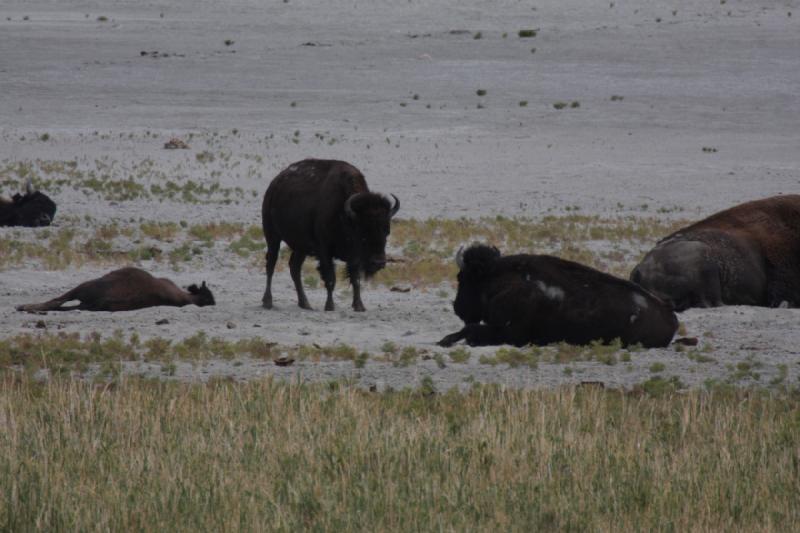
{"x":31,"y":209}
{"x":125,"y":289}
{"x":539,"y":299}
{"x":745,"y":255}
{"x":324,"y":209}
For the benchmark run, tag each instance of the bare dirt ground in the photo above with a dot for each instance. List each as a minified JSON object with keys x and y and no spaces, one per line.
{"x":683,"y":108}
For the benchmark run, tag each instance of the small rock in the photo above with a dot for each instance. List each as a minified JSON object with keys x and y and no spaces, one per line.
{"x":41,"y":324}
{"x":397,"y":288}
{"x":283,"y":361}
{"x":230,"y":325}
{"x":176,"y":144}
{"x":162,"y":322}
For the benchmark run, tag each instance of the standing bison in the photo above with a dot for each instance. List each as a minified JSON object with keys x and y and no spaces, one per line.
{"x":323,"y":208}
{"x":32,"y":209}
{"x":540,"y":299}
{"x":746,"y":255}
{"x":125,"y":289}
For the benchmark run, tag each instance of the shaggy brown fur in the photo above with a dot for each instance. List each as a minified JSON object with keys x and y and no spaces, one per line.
{"x":747,"y":254}
{"x":124,"y":290}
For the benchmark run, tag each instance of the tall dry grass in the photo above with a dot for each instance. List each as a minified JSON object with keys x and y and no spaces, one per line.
{"x":263,"y":456}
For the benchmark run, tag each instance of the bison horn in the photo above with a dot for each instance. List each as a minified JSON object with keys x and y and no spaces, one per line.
{"x":460,"y":258}
{"x":395,"y":207}
{"x":29,"y":187}
{"x":348,"y":209}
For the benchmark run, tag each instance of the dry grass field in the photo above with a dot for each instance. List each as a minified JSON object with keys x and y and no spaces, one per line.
{"x":147,"y":455}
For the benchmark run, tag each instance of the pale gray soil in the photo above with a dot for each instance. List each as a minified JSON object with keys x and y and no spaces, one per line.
{"x":691,"y":74}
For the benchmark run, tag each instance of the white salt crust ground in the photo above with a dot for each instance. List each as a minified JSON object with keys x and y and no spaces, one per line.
{"x":692,"y":74}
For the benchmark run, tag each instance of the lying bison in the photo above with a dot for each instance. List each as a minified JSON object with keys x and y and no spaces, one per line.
{"x":324,"y":209}
{"x":125,"y":289}
{"x":539,"y":299}
{"x":32,"y":209}
{"x":745,"y":255}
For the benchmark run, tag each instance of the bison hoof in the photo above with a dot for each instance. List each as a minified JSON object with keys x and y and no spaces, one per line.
{"x":266,"y":305}
{"x":359,"y":308}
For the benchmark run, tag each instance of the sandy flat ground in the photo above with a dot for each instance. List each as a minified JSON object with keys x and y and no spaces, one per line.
{"x":393,"y":88}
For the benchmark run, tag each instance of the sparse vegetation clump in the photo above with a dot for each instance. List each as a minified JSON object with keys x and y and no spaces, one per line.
{"x":139,"y":454}
{"x":421,"y":251}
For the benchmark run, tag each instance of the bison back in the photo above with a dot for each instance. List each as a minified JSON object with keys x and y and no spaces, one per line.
{"x":305,"y":201}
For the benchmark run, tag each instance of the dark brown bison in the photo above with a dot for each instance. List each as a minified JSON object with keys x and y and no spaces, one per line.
{"x":745,"y":255}
{"x":324,"y":209}
{"x":125,"y":289}
{"x":539,"y":299}
{"x":31,"y":209}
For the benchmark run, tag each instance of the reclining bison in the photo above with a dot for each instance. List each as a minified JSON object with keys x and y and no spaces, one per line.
{"x":540,"y":299}
{"x":125,"y":289}
{"x":323,"y":208}
{"x":32,"y":209}
{"x":746,"y":255}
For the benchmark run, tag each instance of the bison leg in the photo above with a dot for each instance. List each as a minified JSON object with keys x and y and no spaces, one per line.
{"x":476,"y":335}
{"x":328,"y":274}
{"x":782,"y":294}
{"x":355,"y":281}
{"x":56,"y":304}
{"x":295,"y":266}
{"x":451,"y":339}
{"x":272,"y":259}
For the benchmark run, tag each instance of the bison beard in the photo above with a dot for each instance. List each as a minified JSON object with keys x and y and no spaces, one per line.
{"x":324,"y":209}
{"x":538,"y":299}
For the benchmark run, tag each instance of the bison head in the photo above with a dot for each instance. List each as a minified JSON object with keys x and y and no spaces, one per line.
{"x":32,"y":209}
{"x":369,"y":216}
{"x":475,"y":267}
{"x":202,"y":295}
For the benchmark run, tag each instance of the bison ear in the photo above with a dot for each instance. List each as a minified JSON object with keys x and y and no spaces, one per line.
{"x":203,"y":286}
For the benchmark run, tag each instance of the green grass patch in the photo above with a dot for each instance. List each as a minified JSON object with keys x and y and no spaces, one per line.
{"x":223,"y":456}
